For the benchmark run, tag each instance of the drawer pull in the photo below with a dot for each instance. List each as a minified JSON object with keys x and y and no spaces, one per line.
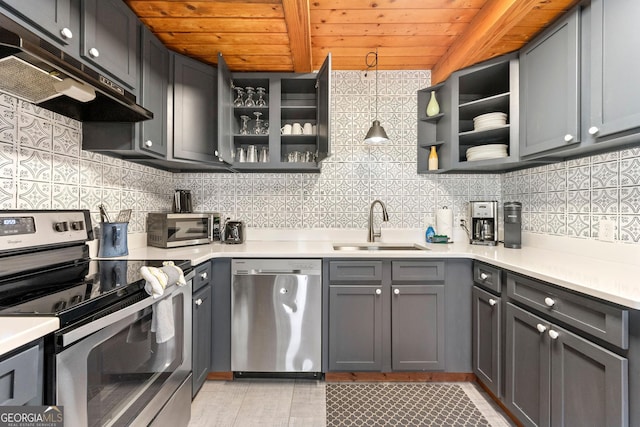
{"x":492,"y":302}
{"x":549,"y":302}
{"x":568,"y":138}
{"x":93,"y":52}
{"x":541,"y":328}
{"x":203,"y":275}
{"x":553,"y":335}
{"x":396,"y":291}
{"x":148,"y":143}
{"x":484,"y":276}
{"x":378,"y":291}
{"x":593,"y":130}
{"x":199,"y":301}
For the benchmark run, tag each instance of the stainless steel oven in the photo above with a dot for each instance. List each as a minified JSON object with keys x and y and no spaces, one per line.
{"x":120,"y":357}
{"x":113,"y":371}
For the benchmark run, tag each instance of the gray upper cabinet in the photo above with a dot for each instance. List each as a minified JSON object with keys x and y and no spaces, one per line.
{"x":614,"y":68}
{"x":109,"y":39}
{"x":550,"y":88}
{"x":290,"y":98}
{"x":58,"y":20}
{"x":154,"y":86}
{"x":194,"y":110}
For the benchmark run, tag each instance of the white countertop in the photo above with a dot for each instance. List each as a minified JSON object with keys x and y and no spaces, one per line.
{"x":17,"y":331}
{"x":609,"y":271}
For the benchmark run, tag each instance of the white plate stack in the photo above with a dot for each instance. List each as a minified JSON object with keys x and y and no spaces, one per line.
{"x":488,"y":151}
{"x":489,"y":121}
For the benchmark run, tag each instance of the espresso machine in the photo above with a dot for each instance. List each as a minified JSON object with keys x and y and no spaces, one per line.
{"x":484,"y":223}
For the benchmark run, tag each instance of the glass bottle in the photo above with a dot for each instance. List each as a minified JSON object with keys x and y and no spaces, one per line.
{"x":433,"y":159}
{"x":433,"y":108}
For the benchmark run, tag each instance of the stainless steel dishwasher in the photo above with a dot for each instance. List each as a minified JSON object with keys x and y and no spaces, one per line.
{"x":276,"y":316}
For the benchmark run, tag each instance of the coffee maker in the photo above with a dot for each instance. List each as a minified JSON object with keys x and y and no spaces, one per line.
{"x":484,"y":223}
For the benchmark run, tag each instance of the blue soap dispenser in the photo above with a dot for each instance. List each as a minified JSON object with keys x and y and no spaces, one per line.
{"x":429,"y":234}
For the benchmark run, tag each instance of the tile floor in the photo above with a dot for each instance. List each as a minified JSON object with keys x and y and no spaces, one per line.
{"x":275,"y":402}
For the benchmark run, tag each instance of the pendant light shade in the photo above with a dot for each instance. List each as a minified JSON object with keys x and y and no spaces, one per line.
{"x":376,"y":132}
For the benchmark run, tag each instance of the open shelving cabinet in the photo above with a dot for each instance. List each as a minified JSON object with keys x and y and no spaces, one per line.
{"x":485,"y":88}
{"x":291,"y":98}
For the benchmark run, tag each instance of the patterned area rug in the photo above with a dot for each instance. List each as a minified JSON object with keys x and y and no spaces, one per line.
{"x":401,"y":404}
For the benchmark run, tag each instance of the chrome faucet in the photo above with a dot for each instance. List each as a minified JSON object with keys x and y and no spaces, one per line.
{"x":385,"y":217}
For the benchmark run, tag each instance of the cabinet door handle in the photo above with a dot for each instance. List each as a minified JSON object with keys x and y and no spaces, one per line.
{"x":541,"y":328}
{"x":378,"y":291}
{"x":492,"y":302}
{"x":148,"y":143}
{"x":199,"y":301}
{"x":549,"y":302}
{"x":203,"y":275}
{"x":593,"y":130}
{"x":484,"y":276}
{"x":66,"y":33}
{"x":93,"y":52}
{"x":553,"y":334}
{"x":396,"y":291}
{"x":568,"y":138}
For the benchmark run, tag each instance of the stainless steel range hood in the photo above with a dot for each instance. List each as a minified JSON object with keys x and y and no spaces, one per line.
{"x":37,"y":71}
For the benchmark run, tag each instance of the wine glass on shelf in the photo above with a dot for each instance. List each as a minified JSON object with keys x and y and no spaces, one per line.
{"x":239,"y":101}
{"x":258,"y":129}
{"x":249,"y":101}
{"x":261,"y":102}
{"x":244,"y":129}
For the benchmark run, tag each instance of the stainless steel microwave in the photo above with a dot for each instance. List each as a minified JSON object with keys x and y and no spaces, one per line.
{"x":171,"y":230}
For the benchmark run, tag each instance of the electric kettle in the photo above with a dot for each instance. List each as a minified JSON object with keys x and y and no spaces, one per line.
{"x":233,"y":232}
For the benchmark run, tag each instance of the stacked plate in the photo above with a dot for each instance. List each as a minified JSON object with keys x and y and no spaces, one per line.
{"x":488,"y":151}
{"x":489,"y":121}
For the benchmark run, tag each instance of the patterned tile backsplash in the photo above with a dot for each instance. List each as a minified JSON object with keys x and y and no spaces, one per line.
{"x":42,"y":166}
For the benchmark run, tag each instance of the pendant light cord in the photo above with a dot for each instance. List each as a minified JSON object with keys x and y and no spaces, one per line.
{"x":370,"y":66}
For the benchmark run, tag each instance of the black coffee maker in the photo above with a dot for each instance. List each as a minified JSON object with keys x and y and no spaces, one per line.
{"x":513,"y":225}
{"x":484,"y":223}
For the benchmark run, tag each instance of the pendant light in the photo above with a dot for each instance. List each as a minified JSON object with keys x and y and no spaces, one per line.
{"x":376,"y":132}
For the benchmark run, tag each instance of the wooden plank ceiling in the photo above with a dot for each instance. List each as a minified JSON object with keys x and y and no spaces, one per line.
{"x":296,"y":35}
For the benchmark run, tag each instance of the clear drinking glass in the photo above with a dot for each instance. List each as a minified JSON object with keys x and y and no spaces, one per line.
{"x":249,"y":101}
{"x":239,"y":101}
{"x":261,"y":102}
{"x":244,"y":129}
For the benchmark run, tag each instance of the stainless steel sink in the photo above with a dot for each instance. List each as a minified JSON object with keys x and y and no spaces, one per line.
{"x":378,"y":247}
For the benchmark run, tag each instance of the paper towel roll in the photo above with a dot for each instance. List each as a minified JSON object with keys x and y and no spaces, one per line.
{"x":444,"y":223}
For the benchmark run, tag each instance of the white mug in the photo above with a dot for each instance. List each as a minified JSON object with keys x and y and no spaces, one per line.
{"x":297,"y":129}
{"x":285,"y":130}
{"x":307,"y":129}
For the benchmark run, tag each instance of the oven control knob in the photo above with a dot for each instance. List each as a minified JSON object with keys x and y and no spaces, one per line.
{"x":77,"y":225}
{"x":61,"y":226}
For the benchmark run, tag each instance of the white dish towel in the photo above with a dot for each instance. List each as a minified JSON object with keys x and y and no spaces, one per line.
{"x":162,"y":322}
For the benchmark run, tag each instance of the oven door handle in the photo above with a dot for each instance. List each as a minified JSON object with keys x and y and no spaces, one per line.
{"x":86,"y":330}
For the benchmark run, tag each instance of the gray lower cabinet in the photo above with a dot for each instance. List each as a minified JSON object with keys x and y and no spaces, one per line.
{"x":555,"y":377}
{"x":487,"y":339}
{"x":386,"y":310}
{"x":221,"y":316}
{"x":21,"y":376}
{"x":202,"y":325}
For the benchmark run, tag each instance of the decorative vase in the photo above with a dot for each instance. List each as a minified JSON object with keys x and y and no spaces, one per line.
{"x":433,"y":159}
{"x":433,"y":108}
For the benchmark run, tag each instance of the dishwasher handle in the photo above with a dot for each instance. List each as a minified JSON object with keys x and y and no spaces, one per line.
{"x":255,"y":272}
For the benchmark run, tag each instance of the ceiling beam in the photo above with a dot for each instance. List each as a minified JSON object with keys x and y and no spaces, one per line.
{"x":296,"y":16}
{"x":493,"y":21}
